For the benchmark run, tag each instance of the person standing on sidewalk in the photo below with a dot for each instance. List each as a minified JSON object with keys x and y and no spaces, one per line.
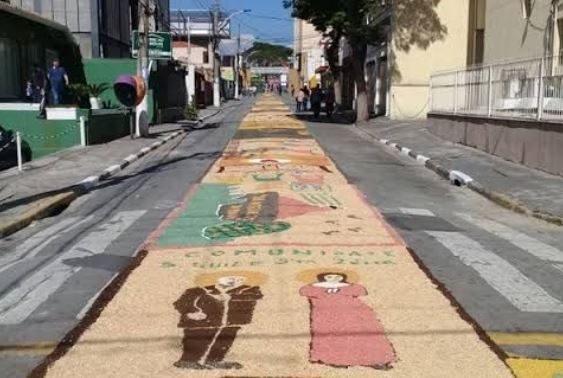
{"x":38,"y":81}
{"x":316,"y":100}
{"x":306,"y":99}
{"x":330,"y":100}
{"x":299,"y":99}
{"x":58,"y":79}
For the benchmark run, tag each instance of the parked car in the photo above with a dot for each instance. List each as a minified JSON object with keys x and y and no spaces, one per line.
{"x":8,"y":149}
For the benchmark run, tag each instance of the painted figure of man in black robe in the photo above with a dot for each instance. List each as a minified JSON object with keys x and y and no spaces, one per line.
{"x":211,"y":316}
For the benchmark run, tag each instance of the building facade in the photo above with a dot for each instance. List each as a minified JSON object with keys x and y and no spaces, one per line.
{"x":308,"y":53}
{"x":28,"y":40}
{"x":102,"y":28}
{"x":414,"y":55}
{"x":192,"y":32}
{"x":521,"y":29}
{"x":510,"y":102}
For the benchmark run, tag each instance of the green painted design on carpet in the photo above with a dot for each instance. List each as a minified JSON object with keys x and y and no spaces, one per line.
{"x":201,"y":212}
{"x":238,"y":229}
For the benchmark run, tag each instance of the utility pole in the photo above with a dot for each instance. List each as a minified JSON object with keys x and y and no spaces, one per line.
{"x":143,"y":63}
{"x":189,"y":41}
{"x":237,"y":66}
{"x":216,"y":61}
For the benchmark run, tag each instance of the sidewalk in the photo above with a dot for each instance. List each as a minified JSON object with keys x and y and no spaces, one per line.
{"x":512,"y":185}
{"x":51,"y":183}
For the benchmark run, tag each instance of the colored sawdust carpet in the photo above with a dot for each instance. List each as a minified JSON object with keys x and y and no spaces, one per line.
{"x":275,"y":265}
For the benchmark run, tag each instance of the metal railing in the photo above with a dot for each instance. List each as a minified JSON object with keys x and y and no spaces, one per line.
{"x":528,"y":89}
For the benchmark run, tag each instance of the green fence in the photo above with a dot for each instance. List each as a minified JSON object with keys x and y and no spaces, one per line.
{"x":43,"y":137}
{"x":103,"y":126}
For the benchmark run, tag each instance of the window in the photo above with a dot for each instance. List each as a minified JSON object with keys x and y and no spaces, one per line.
{"x":205,"y":57}
{"x":10,"y":85}
{"x":526,"y":9}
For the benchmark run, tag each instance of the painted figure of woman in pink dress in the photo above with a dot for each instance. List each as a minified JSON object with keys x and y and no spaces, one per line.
{"x":344,"y":330}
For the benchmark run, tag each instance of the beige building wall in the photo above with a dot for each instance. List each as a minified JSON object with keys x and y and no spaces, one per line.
{"x":411,"y":70}
{"x":307,"y":42}
{"x":509,"y":36}
{"x":180,"y":52}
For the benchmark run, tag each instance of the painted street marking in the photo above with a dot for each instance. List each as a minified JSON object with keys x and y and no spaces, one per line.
{"x":113,"y":169}
{"x":423,"y":212}
{"x":525,"y":338}
{"x":533,"y":246}
{"x":460,"y":177}
{"x":523,"y":293}
{"x":422,"y":159}
{"x":532,"y":368}
{"x":89,"y":182}
{"x":131,"y":158}
{"x":31,"y":247}
{"x":91,"y":301}
{"x":18,"y":304}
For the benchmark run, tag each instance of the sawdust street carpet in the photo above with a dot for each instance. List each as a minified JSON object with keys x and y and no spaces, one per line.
{"x":276,"y":266}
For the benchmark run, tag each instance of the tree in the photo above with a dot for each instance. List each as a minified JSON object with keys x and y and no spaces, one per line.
{"x":332,"y":49}
{"x":266,"y":54}
{"x":347,"y":18}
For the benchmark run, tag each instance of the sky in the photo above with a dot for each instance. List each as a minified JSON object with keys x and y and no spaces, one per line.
{"x":268,"y":21}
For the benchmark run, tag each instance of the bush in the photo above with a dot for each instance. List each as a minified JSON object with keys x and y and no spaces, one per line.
{"x":191,"y":111}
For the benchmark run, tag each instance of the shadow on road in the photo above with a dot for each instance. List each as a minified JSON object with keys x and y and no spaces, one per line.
{"x":109,"y":182}
{"x":339,"y":118}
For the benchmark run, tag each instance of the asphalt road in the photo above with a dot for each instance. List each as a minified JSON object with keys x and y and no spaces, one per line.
{"x":51,"y":272}
{"x":504,"y":269}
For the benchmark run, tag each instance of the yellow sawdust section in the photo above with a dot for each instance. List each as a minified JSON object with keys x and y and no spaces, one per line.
{"x":527,"y":368}
{"x":137,"y":333}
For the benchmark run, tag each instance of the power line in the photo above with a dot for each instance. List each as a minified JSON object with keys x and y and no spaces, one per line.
{"x":269,"y":17}
{"x":203,"y":6}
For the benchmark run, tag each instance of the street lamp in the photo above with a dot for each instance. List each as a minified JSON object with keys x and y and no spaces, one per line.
{"x":226,"y":21}
{"x":217,"y":28}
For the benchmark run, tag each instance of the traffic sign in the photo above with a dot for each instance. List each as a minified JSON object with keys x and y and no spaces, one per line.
{"x":160,"y":45}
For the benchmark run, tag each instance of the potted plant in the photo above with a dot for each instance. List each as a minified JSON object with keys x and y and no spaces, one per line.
{"x":94,"y":92}
{"x":78,"y":92}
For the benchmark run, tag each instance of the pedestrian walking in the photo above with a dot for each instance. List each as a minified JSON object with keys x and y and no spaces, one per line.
{"x":38,"y":81}
{"x":329,"y":102}
{"x":58,"y":79}
{"x":316,"y":100}
{"x":292,"y":89}
{"x":299,"y":99}
{"x":306,"y":99}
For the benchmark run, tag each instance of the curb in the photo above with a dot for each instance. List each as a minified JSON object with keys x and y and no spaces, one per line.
{"x":49,"y":206}
{"x":42,"y":209}
{"x":461,"y":179}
